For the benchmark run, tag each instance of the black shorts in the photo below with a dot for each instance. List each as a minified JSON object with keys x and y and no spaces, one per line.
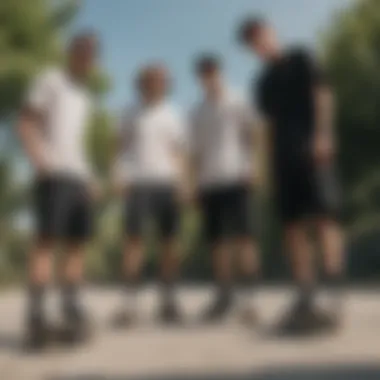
{"x":63,"y":209}
{"x":228,"y":212}
{"x":302,"y":191}
{"x":152,"y":204}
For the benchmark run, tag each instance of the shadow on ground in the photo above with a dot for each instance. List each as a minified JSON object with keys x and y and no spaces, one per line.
{"x":343,"y":372}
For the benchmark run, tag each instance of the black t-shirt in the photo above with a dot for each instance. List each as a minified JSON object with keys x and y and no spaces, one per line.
{"x":285,"y":97}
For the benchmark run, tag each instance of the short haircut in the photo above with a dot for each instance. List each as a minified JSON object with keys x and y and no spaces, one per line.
{"x":150,"y":71}
{"x":250,"y":28}
{"x":207,"y":63}
{"x":84,"y":37}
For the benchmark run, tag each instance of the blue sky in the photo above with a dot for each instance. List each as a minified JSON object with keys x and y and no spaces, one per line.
{"x":173,"y":31}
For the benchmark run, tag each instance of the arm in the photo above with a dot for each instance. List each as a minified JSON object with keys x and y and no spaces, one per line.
{"x":324,"y":145}
{"x":31,"y":120}
{"x":183,"y":160}
{"x":257,"y":137}
{"x":121,"y":144}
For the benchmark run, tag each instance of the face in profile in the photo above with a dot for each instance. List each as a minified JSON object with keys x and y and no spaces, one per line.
{"x":153,"y":82}
{"x":83,"y":55}
{"x":263,"y":42}
{"x":210,"y":79}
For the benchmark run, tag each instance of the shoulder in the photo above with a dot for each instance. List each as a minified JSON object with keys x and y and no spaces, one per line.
{"x":300,"y":54}
{"x":46,"y":78}
{"x":50,"y":75}
{"x":173,"y":113}
{"x":236,"y":97}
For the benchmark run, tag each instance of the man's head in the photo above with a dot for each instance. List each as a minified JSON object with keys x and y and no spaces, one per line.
{"x":83,"y":51}
{"x":259,"y":36}
{"x":153,"y":82}
{"x":208,"y":69}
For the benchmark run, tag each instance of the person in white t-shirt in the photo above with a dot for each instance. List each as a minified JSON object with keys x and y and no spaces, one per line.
{"x":52,"y":128}
{"x":222,"y":138}
{"x":149,"y":173}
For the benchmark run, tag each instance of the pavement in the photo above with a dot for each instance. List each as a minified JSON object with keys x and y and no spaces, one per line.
{"x":226,"y":351}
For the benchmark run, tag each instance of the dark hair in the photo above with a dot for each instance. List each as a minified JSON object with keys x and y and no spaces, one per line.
{"x":150,"y":70}
{"x":249,"y":28}
{"x":85,"y":36}
{"x":207,"y":63}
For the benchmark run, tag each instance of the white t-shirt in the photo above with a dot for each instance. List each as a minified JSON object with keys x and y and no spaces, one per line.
{"x":150,"y":137}
{"x":221,"y":140}
{"x":65,"y":109}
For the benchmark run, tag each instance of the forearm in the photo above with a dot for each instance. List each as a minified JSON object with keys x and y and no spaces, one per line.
{"x":31,"y":140}
{"x":324,"y":115}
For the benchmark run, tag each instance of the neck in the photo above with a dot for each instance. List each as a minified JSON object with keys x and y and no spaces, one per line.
{"x":73,"y":74}
{"x":216,"y":93}
{"x":275,"y":55}
{"x":151,"y":101}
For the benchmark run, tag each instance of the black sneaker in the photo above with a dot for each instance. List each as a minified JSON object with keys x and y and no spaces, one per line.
{"x":324,"y":321}
{"x":218,"y":310}
{"x":170,"y":313}
{"x":306,"y":320}
{"x":76,"y":328}
{"x":38,"y":334}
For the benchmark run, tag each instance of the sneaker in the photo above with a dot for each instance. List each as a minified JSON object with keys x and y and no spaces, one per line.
{"x":76,"y":328}
{"x":218,"y":310}
{"x":170,"y":313}
{"x":38,"y":334}
{"x":302,"y":320}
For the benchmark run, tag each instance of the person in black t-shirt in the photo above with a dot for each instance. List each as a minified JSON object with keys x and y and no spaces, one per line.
{"x":296,"y":102}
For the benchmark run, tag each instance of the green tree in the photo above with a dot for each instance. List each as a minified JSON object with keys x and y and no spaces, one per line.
{"x":352,"y":53}
{"x":32,"y":36}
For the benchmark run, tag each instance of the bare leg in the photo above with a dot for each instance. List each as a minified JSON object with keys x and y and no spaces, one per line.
{"x":133,"y":262}
{"x":248,"y":265}
{"x":301,"y":257}
{"x":72,"y":278}
{"x":133,"y":259}
{"x":332,"y":244}
{"x":39,"y":273}
{"x":40,"y":263}
{"x":169,"y":273}
{"x":248,"y":258}
{"x":169,"y":266}
{"x":222,"y":262}
{"x":223,"y":273}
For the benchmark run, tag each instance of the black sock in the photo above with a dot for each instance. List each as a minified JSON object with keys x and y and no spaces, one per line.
{"x":248,"y":283}
{"x":334,"y":285}
{"x":306,"y":293}
{"x":168,"y":291}
{"x":130,"y":290}
{"x":247,"y":287}
{"x":70,"y":301}
{"x":225,"y":291}
{"x":36,"y":298}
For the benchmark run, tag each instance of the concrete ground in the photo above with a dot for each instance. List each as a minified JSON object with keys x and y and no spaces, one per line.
{"x":227,"y":351}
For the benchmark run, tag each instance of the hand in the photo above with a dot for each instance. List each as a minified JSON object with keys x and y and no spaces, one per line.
{"x":120,"y":189}
{"x":42,"y":167}
{"x":323,"y":151}
{"x":95,"y":191}
{"x":187,"y":195}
